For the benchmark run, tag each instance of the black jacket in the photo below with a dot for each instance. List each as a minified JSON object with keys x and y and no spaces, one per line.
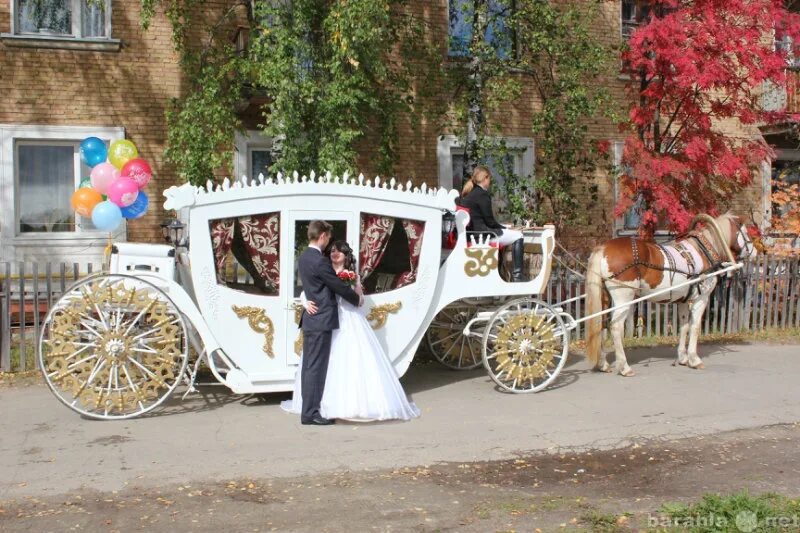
{"x":321,"y":286}
{"x":481,"y":217}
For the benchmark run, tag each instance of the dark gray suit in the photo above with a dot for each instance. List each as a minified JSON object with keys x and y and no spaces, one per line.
{"x":321,"y":286}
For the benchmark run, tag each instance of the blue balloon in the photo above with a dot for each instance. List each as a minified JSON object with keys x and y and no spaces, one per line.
{"x":106,"y":216}
{"x":93,"y":151}
{"x":138,"y":208}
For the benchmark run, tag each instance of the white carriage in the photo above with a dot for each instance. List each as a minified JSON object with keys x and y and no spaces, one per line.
{"x":118,"y":343}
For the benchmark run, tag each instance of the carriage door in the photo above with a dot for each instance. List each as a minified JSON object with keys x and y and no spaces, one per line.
{"x":344,"y":228}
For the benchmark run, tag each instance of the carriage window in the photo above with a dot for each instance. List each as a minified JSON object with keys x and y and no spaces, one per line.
{"x":301,"y":243}
{"x":388,"y":257}
{"x":246,"y":252}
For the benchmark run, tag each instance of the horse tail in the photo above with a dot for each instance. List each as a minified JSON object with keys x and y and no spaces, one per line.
{"x":594,"y":304}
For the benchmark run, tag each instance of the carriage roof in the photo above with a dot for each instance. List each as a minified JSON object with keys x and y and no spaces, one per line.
{"x":356,"y":188}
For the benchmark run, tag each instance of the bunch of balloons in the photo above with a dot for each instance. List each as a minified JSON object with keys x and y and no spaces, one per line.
{"x":113,"y":190}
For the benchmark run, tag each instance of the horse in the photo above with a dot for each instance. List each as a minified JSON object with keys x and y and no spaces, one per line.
{"x":626,"y":268}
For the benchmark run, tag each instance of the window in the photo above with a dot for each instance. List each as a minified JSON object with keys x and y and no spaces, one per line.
{"x":498,"y":34}
{"x":785,"y":173}
{"x":40,"y":168}
{"x":450,"y":152}
{"x":253,"y":154}
{"x":785,"y":44}
{"x":47,"y":173}
{"x":62,"y":18}
{"x":634,"y":13}
{"x":631,"y":220}
{"x":247,"y":252}
{"x":389,"y":252}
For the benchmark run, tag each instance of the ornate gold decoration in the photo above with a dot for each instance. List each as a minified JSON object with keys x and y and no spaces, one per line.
{"x":377,"y":315}
{"x":113,"y":349}
{"x":259,"y":322}
{"x":480,"y":261}
{"x":525,"y":349}
{"x":298,"y":342}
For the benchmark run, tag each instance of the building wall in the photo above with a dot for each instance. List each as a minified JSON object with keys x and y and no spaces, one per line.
{"x":131,"y":88}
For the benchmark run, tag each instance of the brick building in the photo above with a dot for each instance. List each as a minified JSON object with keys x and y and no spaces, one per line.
{"x":82,"y":71}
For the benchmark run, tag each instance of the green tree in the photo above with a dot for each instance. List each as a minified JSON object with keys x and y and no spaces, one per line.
{"x":548,"y":46}
{"x":338,"y":75}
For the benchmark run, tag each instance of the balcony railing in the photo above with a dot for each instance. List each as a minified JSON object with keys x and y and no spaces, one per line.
{"x":774,"y":98}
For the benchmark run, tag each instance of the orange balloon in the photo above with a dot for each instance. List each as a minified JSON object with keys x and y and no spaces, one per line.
{"x":84,"y":200}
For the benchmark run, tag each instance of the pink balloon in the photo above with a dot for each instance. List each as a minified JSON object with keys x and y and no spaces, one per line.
{"x":123,"y":192}
{"x":102,"y":176}
{"x":139,"y":171}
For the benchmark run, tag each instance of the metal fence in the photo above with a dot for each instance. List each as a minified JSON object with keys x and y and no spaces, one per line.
{"x":764,"y":294}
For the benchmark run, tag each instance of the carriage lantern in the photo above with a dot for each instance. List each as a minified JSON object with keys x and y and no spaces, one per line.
{"x":448,"y":225}
{"x":172,"y":230}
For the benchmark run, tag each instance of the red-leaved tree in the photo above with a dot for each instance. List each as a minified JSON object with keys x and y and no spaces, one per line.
{"x":697,"y":68}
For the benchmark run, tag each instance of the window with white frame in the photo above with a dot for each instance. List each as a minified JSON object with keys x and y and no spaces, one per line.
{"x":519,"y":157}
{"x":253,"y":154}
{"x":41,"y":168}
{"x":82,"y":19}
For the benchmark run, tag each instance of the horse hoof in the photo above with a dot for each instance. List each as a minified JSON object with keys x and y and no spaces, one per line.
{"x":604,"y":370}
{"x":683,"y":363}
{"x":627,"y":373}
{"x":701,"y":366}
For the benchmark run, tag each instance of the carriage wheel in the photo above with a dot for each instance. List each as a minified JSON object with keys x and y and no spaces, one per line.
{"x":446,"y":339}
{"x":525,"y":345}
{"x":113,"y":347}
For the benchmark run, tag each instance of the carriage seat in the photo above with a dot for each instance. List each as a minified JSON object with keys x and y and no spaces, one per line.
{"x":469,"y":232}
{"x":143,"y":259}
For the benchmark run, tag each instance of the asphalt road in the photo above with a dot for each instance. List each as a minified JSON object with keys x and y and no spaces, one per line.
{"x":46,"y":450}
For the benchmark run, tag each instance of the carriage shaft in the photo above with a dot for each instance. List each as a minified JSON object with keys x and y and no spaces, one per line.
{"x":665,"y":290}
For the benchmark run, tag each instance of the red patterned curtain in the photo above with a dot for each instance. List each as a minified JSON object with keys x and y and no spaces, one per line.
{"x":414,"y":231}
{"x":221,"y":239}
{"x":261,"y":235}
{"x":375,"y":232}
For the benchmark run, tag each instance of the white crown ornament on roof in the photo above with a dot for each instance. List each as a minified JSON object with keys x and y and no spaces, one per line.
{"x":187,"y":195}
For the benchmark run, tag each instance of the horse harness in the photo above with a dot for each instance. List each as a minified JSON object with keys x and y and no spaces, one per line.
{"x":682,"y":246}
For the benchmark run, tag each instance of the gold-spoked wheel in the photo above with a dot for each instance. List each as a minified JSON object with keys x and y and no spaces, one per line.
{"x":525,"y":345}
{"x":113,"y":347}
{"x":446,"y":339}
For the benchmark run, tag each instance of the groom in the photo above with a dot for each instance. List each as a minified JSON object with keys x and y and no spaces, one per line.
{"x":321,"y":286}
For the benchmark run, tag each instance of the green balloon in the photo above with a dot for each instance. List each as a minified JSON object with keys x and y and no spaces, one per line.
{"x":85,"y":182}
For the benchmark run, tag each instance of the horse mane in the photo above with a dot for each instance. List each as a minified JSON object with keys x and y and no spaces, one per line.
{"x":727,"y":229}
{"x":725,"y":223}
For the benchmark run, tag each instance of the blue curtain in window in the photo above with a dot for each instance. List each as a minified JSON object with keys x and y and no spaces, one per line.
{"x":498,"y":33}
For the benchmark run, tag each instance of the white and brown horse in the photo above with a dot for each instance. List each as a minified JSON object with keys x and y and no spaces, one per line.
{"x":628,"y":268}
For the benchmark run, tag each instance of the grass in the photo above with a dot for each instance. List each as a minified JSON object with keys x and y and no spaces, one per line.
{"x":605,"y":522}
{"x":738,"y":512}
{"x":30,"y":356}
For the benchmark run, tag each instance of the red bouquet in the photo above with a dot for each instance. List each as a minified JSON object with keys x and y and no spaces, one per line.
{"x":348,"y":276}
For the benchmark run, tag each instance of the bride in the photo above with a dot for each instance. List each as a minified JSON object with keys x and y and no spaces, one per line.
{"x":361,"y":383}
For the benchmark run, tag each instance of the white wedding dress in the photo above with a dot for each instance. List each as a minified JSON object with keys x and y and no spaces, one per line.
{"x":361,"y":383}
